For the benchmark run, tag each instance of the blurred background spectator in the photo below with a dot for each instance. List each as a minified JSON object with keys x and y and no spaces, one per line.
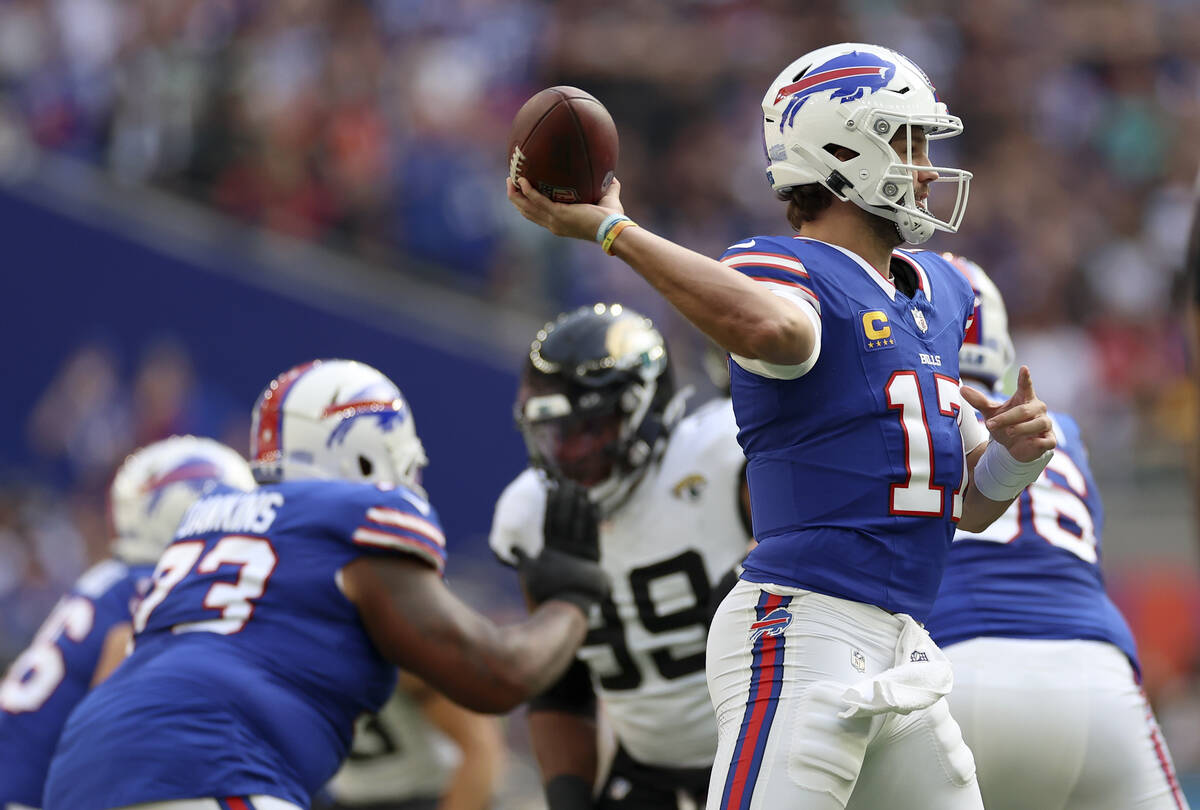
{"x":376,"y":128}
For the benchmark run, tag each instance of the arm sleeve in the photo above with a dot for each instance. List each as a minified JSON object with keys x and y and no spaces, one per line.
{"x":971,"y":427}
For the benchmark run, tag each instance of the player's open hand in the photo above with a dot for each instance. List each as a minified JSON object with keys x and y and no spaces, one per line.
{"x":1021,"y":424}
{"x":576,"y":220}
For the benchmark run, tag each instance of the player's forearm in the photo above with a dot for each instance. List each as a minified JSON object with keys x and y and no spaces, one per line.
{"x":533,"y":655}
{"x":474,"y":782}
{"x":979,"y":511}
{"x":480,"y":741}
{"x":564,"y":744}
{"x":416,"y":622}
{"x":743,"y":317}
{"x":493,"y":669}
{"x":114,"y":650}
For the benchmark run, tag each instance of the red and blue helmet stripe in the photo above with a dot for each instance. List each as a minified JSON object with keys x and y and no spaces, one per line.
{"x":266,"y":440}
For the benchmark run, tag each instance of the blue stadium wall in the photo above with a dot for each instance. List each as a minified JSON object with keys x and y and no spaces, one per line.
{"x":67,"y":280}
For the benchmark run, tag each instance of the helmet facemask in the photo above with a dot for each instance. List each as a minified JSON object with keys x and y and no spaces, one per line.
{"x":580,"y":437}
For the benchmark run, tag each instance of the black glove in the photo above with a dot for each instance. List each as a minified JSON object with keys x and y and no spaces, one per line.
{"x":572,"y":523}
{"x":568,"y":566}
{"x":568,"y":792}
{"x":555,"y":574}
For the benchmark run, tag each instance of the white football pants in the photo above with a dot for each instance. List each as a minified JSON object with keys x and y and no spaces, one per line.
{"x":1060,"y":725}
{"x":778,"y":688}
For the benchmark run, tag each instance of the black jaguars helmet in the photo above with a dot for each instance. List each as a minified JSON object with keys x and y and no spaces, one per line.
{"x":597,"y":399}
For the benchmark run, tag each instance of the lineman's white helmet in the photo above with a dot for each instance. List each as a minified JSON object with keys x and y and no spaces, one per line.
{"x":155,"y":486}
{"x":858,"y":96}
{"x":335,"y":419}
{"x":987,"y":349}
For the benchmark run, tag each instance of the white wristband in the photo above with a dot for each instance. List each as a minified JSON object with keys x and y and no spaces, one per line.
{"x":607,"y":223}
{"x":1000,"y":477}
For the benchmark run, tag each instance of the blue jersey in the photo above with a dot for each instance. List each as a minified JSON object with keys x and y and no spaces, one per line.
{"x":250,"y":665}
{"x":856,"y":468}
{"x":1035,"y":572}
{"x":46,"y":682}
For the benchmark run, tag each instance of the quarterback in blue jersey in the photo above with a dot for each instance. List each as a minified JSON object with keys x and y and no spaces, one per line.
{"x":86,"y":634}
{"x":1045,"y":668}
{"x":863,"y":452}
{"x":277,"y":617}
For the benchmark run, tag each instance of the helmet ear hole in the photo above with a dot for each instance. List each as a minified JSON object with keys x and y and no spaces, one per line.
{"x":842,"y":153}
{"x":365,"y":466}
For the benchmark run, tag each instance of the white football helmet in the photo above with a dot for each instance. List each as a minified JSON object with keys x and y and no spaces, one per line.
{"x":858,"y":96}
{"x":335,"y":419}
{"x":155,"y":485}
{"x":987,"y":349}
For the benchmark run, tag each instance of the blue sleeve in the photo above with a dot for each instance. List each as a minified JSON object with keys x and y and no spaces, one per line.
{"x":767,"y":260}
{"x":394,"y":521}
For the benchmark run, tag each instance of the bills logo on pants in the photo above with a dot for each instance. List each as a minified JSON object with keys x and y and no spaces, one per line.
{"x":767,"y":640}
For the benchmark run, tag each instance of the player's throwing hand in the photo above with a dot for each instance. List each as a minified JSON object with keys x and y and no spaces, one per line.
{"x":1020,"y":424}
{"x":577,"y":220}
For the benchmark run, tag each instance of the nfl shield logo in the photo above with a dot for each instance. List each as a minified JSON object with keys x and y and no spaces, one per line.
{"x":919,"y":317}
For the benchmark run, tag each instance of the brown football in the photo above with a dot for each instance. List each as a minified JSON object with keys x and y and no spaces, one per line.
{"x":565,"y":143}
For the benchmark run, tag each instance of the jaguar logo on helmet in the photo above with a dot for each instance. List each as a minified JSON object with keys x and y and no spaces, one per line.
{"x":598,"y":400}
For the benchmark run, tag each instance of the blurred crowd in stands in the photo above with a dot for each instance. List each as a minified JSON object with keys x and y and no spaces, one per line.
{"x":379,"y":128}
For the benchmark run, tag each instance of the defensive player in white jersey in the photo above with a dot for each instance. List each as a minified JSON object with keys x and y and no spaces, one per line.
{"x":421,"y":751}
{"x":863,"y":452}
{"x":1046,"y":674}
{"x":599,"y":408}
{"x":85,"y":637}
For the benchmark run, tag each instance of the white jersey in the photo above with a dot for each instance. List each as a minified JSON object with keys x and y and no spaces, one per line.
{"x":680,"y":531}
{"x":397,"y":755}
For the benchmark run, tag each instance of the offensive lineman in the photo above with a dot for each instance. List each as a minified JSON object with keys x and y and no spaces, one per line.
{"x":598,"y":407}
{"x":863,"y":454}
{"x":85,"y":636}
{"x":1046,"y":677}
{"x":277,"y":616}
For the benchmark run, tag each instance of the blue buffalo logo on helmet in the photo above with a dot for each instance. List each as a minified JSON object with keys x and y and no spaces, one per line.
{"x":850,"y":76}
{"x":773,"y":624}
{"x":381,"y":401}
{"x":197,"y":472}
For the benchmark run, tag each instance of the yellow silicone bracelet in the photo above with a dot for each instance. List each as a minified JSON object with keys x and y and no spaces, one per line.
{"x":614,"y":232}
